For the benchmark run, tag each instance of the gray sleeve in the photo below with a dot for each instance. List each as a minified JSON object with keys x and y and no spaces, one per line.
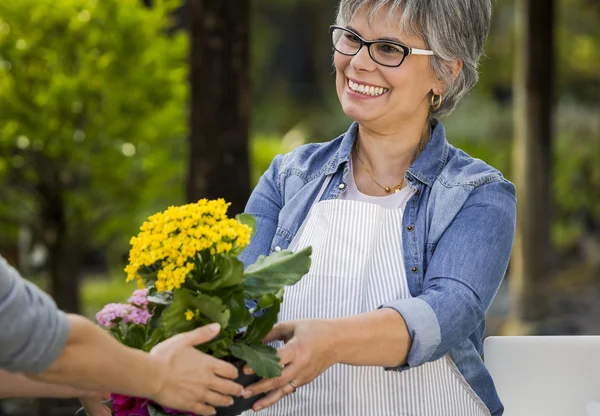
{"x":33,"y":332}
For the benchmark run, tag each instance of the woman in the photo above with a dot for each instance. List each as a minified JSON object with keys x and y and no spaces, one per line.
{"x":411,"y":237}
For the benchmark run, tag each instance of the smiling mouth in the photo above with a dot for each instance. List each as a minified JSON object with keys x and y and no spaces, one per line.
{"x":366,"y":89}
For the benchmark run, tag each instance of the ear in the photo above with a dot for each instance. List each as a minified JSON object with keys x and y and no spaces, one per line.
{"x":454,"y":67}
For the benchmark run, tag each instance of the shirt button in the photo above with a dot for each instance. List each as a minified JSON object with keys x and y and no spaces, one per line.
{"x":277,"y":249}
{"x":417,"y":192}
{"x":409,"y":178}
{"x":342,"y":185}
{"x":410,"y":228}
{"x":415,"y":269}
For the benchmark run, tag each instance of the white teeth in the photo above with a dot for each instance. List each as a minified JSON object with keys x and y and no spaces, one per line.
{"x":366,"y":89}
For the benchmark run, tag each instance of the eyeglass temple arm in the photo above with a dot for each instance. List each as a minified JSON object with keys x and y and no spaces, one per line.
{"x":415,"y":51}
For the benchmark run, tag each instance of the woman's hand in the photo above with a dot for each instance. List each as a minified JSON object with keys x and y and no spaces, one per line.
{"x":191,"y":380}
{"x":309,"y":350}
{"x":93,"y":406}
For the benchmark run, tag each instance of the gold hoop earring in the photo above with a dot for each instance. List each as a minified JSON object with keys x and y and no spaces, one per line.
{"x":435,"y":106}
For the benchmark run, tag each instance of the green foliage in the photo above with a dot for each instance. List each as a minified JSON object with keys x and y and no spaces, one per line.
{"x":261,"y":358}
{"x":92,"y":113}
{"x":271,"y":273}
{"x":217,"y":294}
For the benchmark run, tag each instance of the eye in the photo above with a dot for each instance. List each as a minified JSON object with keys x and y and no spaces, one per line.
{"x":351,"y":38}
{"x":389,"y":48}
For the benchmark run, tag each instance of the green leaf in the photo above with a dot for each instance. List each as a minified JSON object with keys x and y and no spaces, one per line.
{"x":162,"y":298}
{"x":156,"y":337}
{"x":219,"y":347}
{"x":230,"y":273}
{"x":248,"y":220}
{"x":135,"y":336}
{"x":262,"y":358}
{"x":240,"y":315}
{"x":212,"y":308}
{"x":156,"y":315}
{"x":173,"y":318}
{"x":261,"y":326}
{"x":268,"y":300}
{"x":153,"y":411}
{"x":271,"y":274}
{"x":172,"y":321}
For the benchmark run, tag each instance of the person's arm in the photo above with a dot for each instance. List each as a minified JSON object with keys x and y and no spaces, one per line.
{"x":49,"y":346}
{"x":19,"y":385}
{"x":463,"y":276}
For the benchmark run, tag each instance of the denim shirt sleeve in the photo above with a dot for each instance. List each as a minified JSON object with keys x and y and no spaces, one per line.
{"x":463,"y":276}
{"x":264,"y":204}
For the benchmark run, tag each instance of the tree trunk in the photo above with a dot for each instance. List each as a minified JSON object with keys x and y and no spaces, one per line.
{"x":220,"y":101}
{"x":533,"y":84}
{"x":63,"y":257}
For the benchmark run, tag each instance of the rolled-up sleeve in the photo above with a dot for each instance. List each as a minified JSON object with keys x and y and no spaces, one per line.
{"x":264,"y":205}
{"x":463,"y":276}
{"x":33,"y":332}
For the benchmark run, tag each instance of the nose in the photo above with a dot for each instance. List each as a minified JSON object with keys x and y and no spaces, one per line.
{"x":362,"y":60}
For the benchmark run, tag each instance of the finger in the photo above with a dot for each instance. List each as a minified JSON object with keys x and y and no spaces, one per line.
{"x":204,"y":410}
{"x":269,"y":400}
{"x":197,"y":336}
{"x":248,"y":370}
{"x":223,"y":386}
{"x":287,"y":353}
{"x":282,"y":332}
{"x":217,"y":399}
{"x":222,"y":368}
{"x":269,"y":384}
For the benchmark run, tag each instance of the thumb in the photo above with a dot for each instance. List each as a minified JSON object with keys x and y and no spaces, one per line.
{"x":200,"y":335}
{"x":282,"y":332}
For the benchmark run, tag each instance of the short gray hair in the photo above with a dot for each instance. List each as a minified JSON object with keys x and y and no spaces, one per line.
{"x":452,"y":29}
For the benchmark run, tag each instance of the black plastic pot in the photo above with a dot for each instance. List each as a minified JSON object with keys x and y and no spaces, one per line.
{"x":240,"y":404}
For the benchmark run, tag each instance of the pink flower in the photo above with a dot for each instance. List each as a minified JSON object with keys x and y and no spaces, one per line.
{"x":129,"y":406}
{"x":138,"y":316}
{"x":139,"y":298}
{"x":111,"y":312}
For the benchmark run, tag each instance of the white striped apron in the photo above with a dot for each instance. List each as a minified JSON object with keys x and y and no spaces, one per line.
{"x":357,"y":265}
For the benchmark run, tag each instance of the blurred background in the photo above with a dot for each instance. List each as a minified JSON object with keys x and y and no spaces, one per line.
{"x":111,"y":110}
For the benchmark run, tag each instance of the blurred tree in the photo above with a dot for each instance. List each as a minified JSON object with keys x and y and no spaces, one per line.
{"x":92,"y":112}
{"x":220,"y":107}
{"x":534,"y":85}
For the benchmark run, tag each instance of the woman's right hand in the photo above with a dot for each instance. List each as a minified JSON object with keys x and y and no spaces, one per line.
{"x":190,"y":380}
{"x":93,"y":406}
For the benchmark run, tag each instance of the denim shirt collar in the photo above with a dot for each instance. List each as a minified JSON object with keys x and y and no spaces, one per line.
{"x":426,"y":168}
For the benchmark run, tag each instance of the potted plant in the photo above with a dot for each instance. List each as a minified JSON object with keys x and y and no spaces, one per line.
{"x":185,"y":262}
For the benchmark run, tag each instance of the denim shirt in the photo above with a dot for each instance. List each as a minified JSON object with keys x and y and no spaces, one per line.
{"x":458,"y":234}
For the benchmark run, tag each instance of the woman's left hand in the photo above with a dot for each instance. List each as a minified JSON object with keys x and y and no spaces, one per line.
{"x":307,"y":353}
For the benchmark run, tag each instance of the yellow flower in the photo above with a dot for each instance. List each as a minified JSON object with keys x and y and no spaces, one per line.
{"x":169,"y":241}
{"x":189,"y":315}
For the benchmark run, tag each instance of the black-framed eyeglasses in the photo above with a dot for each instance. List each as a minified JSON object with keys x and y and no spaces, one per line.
{"x":384,"y":52}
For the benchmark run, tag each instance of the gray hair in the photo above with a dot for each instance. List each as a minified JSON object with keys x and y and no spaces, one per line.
{"x":452,"y":29}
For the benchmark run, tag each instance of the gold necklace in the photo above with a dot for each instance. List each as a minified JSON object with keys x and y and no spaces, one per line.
{"x":387,"y":189}
{"x":398,"y":187}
